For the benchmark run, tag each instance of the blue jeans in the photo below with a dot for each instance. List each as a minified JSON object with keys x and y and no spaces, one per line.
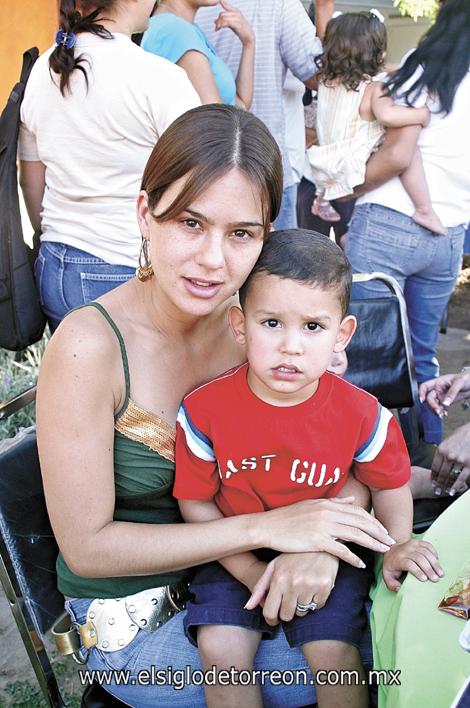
{"x":168,"y":647}
{"x":287,"y":217}
{"x":67,"y":277}
{"x":426,"y":267}
{"x":466,"y":246}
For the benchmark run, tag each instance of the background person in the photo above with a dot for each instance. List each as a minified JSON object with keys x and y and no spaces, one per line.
{"x":94,"y":106}
{"x":285,"y":39}
{"x":450,"y":469}
{"x":173,"y":34}
{"x":382,"y":235}
{"x":110,"y":385}
{"x":352,"y":114}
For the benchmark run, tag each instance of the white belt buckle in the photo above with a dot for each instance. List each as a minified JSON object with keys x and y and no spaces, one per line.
{"x":115,"y":622}
{"x":113,"y":627}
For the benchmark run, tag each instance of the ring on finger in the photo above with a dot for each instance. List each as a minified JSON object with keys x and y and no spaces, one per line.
{"x":303,"y":609}
{"x":455,"y":472}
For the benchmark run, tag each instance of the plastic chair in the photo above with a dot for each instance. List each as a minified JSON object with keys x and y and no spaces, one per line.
{"x":28,"y":553}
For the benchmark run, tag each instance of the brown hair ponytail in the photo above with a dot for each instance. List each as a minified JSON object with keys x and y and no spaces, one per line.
{"x":63,"y":61}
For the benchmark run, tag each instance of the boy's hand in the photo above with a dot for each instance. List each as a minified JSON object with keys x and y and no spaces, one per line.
{"x":416,"y":557}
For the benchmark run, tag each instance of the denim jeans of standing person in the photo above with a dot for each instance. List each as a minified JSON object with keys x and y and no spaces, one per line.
{"x":67,"y":277}
{"x":287,"y":217}
{"x":426,"y":267}
{"x":466,"y":246}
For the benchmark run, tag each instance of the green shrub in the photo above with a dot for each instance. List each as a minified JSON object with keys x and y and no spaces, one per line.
{"x":18,"y":372}
{"x":417,"y":8}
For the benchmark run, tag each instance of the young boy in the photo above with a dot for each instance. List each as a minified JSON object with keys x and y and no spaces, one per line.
{"x":278,"y":430}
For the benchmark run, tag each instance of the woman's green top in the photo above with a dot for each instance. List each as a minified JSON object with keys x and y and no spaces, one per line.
{"x":144,"y":471}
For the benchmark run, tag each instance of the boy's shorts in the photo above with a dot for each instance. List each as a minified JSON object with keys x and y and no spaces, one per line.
{"x":217,"y":598}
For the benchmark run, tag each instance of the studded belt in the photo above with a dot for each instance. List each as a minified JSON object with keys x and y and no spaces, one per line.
{"x":111,"y":624}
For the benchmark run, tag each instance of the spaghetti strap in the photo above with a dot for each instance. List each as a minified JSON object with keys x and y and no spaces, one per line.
{"x":98,"y":306}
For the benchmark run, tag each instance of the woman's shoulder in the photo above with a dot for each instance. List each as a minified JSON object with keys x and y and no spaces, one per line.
{"x":84,"y":342}
{"x":169,"y":35}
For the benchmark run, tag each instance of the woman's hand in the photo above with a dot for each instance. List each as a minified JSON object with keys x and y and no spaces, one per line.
{"x":416,"y":557}
{"x":232,"y":18}
{"x":316,"y":525}
{"x":450,"y":469}
{"x":441,"y":392}
{"x":293,"y":578}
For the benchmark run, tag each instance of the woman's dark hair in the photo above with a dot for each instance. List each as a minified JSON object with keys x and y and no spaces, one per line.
{"x":63,"y":61}
{"x":443,"y":54}
{"x":204,"y":144}
{"x":353,"y":49}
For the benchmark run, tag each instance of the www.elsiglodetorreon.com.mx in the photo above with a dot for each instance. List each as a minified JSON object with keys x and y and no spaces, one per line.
{"x":187,"y":676}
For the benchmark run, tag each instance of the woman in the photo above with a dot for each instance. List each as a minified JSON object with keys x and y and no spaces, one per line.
{"x":110,"y":386}
{"x":173,"y":34}
{"x":94,"y":106}
{"x":382,"y":235}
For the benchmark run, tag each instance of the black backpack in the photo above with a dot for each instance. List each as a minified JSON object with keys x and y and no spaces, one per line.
{"x":21,"y":319}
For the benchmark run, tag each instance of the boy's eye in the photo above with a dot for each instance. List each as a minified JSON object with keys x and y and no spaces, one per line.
{"x":271,"y":323}
{"x":312,"y":326}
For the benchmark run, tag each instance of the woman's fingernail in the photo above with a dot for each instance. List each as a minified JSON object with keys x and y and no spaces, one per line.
{"x":361,"y":564}
{"x":423,"y":578}
{"x":440,"y":573}
{"x":384,"y":548}
{"x":437,"y":491}
{"x":391,"y":540}
{"x":446,"y":402}
{"x":451,"y":492}
{"x":433,"y":484}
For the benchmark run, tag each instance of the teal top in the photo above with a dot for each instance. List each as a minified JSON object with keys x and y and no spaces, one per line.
{"x":170,"y":37}
{"x":144,"y":473}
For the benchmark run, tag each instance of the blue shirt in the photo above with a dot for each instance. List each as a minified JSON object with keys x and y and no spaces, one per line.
{"x":170,"y":37}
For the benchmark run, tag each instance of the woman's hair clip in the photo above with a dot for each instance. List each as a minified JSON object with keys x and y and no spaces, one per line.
{"x":377,"y":14}
{"x":65,"y":39}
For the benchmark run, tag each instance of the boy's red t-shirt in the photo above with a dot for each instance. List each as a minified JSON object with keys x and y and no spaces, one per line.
{"x":249,"y":456}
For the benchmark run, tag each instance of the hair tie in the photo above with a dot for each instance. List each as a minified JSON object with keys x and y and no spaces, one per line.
{"x":377,"y":14}
{"x":65,"y":39}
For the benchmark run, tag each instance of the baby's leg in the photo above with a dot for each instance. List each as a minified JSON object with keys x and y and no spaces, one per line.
{"x":227,"y":647}
{"x":414,"y":181}
{"x":327,"y":659}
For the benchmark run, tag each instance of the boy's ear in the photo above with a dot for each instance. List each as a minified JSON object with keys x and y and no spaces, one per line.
{"x":345,"y":333}
{"x":236,"y":320}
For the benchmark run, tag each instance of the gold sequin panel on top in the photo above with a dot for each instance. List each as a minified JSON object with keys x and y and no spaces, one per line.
{"x":149,"y":429}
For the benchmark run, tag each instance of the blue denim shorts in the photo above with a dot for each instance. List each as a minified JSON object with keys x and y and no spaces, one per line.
{"x":219,"y":599}
{"x":67,"y":277}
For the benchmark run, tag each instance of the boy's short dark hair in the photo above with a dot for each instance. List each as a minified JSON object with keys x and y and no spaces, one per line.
{"x":306,"y":257}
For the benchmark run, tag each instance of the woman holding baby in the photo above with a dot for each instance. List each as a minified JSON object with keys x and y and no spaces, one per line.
{"x":111,"y":382}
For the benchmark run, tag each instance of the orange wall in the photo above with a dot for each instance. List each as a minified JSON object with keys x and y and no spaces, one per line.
{"x":23,"y":24}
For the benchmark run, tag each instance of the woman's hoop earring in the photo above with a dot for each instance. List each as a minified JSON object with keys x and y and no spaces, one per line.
{"x":145,"y":268}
